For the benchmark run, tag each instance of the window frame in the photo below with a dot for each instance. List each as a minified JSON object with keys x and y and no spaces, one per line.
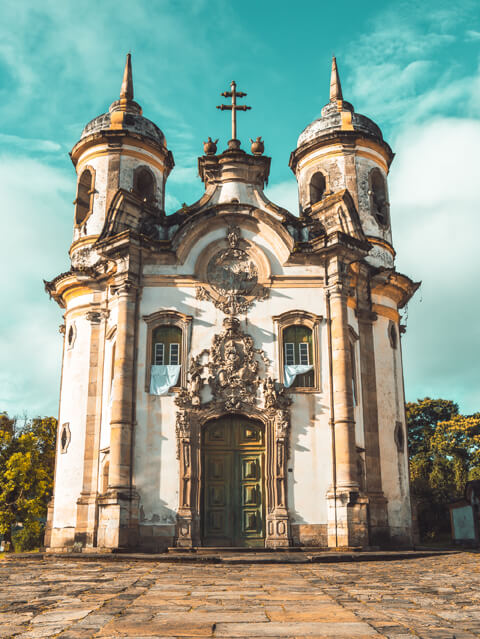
{"x":312,"y":322}
{"x":91,"y":193}
{"x":136,"y":175}
{"x":168,"y":318}
{"x":376,"y":171}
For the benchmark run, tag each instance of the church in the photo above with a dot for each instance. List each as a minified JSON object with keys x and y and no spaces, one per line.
{"x":232,"y":373}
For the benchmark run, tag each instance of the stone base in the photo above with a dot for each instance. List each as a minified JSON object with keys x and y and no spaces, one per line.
{"x":278,"y":530}
{"x":118,"y":519}
{"x":87,"y":520}
{"x":61,"y":538}
{"x":156,"y":538}
{"x":309,"y":535}
{"x":347,"y":519}
{"x":378,"y":528}
{"x":187,"y":533}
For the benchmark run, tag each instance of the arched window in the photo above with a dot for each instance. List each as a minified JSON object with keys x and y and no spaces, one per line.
{"x":298,"y":355}
{"x":168,"y":338}
{"x":298,"y":350}
{"x":84,"y":199}
{"x":144,"y":184}
{"x":166,"y":346}
{"x":317,"y":187}
{"x":378,"y":198}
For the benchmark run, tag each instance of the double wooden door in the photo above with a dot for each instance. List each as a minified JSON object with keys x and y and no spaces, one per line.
{"x":233,"y":504}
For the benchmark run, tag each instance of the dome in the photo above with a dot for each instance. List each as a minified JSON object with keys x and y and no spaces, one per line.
{"x":132,"y":122}
{"x":125,"y":115}
{"x":333,"y":121}
{"x":338,"y":115}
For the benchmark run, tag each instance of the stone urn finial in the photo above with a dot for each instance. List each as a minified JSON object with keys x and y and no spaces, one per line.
{"x":210,"y":147}
{"x":257,"y":146}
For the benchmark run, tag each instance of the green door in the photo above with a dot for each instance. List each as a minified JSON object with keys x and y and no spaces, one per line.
{"x":232,"y":492}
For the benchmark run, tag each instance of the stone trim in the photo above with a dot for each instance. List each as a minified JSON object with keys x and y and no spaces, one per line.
{"x":168,"y":318}
{"x":311,"y":321}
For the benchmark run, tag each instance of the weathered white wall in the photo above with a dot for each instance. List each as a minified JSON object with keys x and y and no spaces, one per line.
{"x":394,"y":466}
{"x":73,"y":406}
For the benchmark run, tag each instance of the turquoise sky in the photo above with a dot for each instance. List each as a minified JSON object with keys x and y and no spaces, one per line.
{"x":412,"y":67}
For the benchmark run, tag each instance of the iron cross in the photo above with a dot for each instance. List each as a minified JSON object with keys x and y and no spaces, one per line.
{"x":234,"y":107}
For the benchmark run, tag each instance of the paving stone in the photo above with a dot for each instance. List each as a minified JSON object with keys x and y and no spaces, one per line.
{"x":430,"y":597}
{"x":289,"y":629}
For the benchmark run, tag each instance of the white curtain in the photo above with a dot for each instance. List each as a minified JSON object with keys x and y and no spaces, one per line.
{"x":162,"y":378}
{"x":290,"y":372}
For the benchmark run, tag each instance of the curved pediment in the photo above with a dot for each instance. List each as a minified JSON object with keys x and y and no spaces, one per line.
{"x":253,"y":221}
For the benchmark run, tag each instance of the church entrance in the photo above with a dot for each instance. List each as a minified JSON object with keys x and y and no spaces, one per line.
{"x":233,"y":502}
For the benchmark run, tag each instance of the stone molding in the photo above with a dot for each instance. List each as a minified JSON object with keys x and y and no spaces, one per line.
{"x":168,"y":317}
{"x":311,"y":321}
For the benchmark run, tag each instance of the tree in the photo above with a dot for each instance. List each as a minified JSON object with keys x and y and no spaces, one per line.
{"x":444,"y":448}
{"x":27,"y":457}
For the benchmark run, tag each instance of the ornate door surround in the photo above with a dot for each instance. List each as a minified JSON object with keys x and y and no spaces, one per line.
{"x":235,"y":385}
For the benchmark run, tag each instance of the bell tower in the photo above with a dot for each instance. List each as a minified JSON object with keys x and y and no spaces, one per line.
{"x":345,"y":150}
{"x":122,"y":164}
{"x":119,"y":149}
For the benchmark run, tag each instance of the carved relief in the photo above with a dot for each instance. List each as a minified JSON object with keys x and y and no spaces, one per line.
{"x":232,"y":277}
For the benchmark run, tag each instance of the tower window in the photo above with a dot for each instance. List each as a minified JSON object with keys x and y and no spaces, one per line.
{"x":144,"y":184}
{"x":317,"y":187}
{"x":298,"y":345}
{"x":84,"y":199}
{"x":378,"y":198}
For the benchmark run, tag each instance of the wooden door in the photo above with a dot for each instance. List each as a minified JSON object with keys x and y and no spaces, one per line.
{"x":233,"y":483}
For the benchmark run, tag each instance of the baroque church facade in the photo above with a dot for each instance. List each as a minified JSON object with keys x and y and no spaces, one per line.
{"x":232,"y":373}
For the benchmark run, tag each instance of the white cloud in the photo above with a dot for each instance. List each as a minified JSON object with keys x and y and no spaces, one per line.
{"x":434,"y":188}
{"x":36,"y":214}
{"x":472,"y":35}
{"x":29,"y":144}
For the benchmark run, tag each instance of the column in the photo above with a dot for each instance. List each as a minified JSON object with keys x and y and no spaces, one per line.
{"x":347,"y":510}
{"x":118,"y":517}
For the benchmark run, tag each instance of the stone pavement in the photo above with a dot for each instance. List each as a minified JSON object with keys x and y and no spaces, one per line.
{"x":431,"y":597}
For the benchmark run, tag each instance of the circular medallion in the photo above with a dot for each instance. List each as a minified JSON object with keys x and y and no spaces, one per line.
{"x":232,"y":272}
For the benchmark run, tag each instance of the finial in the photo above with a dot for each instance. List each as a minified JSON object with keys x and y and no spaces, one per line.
{"x":126,"y":92}
{"x":210,"y":146}
{"x":257,"y":146}
{"x":335,"y":86}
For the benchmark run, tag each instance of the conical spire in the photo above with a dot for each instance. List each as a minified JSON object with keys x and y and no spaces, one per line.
{"x":126,"y":92}
{"x":335,"y":86}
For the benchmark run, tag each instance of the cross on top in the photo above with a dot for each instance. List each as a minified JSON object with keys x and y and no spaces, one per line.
{"x":234,"y":107}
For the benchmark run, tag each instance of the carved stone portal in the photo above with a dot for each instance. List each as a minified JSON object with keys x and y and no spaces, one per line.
{"x":231,"y":368}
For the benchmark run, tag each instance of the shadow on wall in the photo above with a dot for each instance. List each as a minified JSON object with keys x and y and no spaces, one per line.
{"x":315,"y":408}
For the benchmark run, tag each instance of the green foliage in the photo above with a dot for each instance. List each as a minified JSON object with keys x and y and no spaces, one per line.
{"x":27,"y":457}
{"x":444,"y":451}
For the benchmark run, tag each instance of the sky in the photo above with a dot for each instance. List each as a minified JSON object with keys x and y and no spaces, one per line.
{"x":412,"y":67}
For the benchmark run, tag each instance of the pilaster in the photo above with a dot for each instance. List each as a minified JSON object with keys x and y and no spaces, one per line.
{"x":347,"y":510}
{"x":118,"y":517}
